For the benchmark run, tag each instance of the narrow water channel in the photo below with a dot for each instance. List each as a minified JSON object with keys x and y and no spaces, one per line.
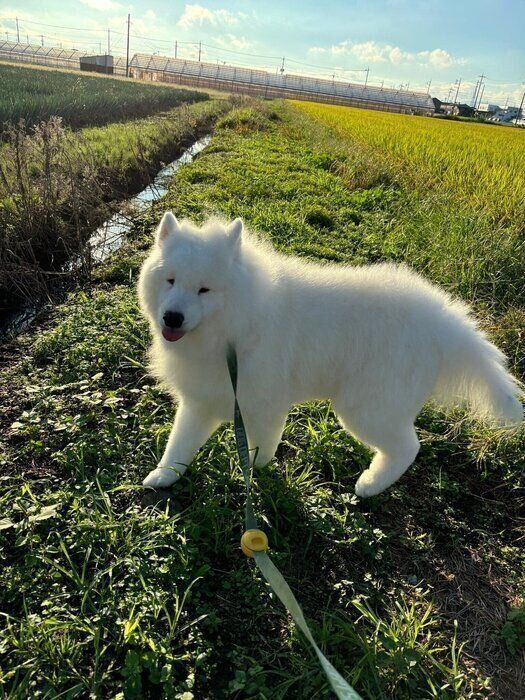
{"x":111,"y":234}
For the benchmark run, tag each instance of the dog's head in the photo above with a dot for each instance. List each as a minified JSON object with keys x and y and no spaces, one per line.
{"x":186,"y":276}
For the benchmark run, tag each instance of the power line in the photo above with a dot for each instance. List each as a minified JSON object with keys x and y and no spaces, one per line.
{"x":54,"y":26}
{"x":313,"y":65}
{"x":202,"y":46}
{"x":194,"y":43}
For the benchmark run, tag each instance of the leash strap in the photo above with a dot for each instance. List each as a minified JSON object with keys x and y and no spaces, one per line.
{"x":268,"y":569}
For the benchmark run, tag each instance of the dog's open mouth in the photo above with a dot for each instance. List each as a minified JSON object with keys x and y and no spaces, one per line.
{"x":171,"y":334}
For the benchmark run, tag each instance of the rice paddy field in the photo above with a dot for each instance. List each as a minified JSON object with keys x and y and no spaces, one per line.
{"x":481,"y":165}
{"x":108,"y":591}
{"x":36,"y":94}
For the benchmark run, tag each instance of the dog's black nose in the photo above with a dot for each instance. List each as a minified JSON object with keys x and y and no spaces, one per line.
{"x":173,"y":319}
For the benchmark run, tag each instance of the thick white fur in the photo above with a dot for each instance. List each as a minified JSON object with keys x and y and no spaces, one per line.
{"x":377,"y":340}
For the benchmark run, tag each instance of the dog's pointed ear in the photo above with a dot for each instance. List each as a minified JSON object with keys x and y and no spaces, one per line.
{"x":234,"y":231}
{"x":167,"y":227}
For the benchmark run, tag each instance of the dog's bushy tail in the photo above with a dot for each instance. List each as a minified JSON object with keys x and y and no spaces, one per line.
{"x":474,"y":372}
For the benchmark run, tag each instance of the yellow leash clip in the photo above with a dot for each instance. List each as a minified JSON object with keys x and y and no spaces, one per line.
{"x":254,"y":541}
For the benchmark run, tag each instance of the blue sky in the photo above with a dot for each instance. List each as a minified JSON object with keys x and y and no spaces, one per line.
{"x":400,"y":41}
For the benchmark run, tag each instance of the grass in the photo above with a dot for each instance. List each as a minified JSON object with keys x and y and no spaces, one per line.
{"x":142,"y":144}
{"x":81,"y":100}
{"x":105,"y":591}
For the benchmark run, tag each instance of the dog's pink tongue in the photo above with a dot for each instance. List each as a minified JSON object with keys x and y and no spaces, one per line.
{"x":171,"y":334}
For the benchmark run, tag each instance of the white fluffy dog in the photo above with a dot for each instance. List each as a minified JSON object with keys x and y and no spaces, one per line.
{"x":377,"y":340}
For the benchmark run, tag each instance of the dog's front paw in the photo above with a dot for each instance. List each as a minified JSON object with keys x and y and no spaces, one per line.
{"x":161,"y":478}
{"x":368,"y":485}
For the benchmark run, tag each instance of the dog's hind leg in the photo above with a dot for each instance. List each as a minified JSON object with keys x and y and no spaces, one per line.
{"x":192,"y":427}
{"x":395,"y":443}
{"x":392,"y":459}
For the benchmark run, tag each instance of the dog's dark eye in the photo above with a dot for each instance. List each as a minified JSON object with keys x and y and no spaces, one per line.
{"x":171,"y":281}
{"x":203,"y":290}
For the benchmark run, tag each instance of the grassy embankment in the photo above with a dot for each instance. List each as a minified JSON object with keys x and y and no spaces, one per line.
{"x":80,"y":99}
{"x":56,"y":184}
{"x":409,"y":591}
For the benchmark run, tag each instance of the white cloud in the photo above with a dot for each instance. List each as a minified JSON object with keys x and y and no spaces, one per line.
{"x":373,"y":52}
{"x":397,"y":55}
{"x":341,"y":48}
{"x":102,"y":5}
{"x":197,"y":15}
{"x":230,"y":41}
{"x":142,"y":25}
{"x":440,"y":58}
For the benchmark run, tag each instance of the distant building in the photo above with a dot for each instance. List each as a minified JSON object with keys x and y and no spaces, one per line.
{"x":493,"y":108}
{"x":506,"y":115}
{"x":97,"y":64}
{"x":453,"y":109}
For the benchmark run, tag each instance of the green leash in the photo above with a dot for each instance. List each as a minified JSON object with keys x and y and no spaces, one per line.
{"x":254,"y":543}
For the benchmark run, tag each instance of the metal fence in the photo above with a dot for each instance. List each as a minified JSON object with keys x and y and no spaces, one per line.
{"x":51,"y":56}
{"x":258,"y":82}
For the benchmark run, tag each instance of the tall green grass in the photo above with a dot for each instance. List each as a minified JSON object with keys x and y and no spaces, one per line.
{"x":56,"y":185}
{"x":34,"y":95}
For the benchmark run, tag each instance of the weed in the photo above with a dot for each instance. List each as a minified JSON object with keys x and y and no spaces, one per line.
{"x":513,"y":631}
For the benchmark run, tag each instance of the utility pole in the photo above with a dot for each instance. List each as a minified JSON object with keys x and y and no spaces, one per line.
{"x":366,"y":79}
{"x":281,"y":69}
{"x":474,"y":96}
{"x":127,"y":48}
{"x":428,"y":86}
{"x":449,"y":93}
{"x":42,"y":39}
{"x":519,"y":110}
{"x":176,"y":49}
{"x":17,"y":32}
{"x":200,"y":51}
{"x":27,"y":37}
{"x":109,"y":42}
{"x":382,"y":83}
{"x":458,"y":81}
{"x":480,"y":96}
{"x":478,"y":88}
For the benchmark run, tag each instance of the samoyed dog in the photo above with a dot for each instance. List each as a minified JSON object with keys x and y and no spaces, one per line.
{"x":377,"y":340}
